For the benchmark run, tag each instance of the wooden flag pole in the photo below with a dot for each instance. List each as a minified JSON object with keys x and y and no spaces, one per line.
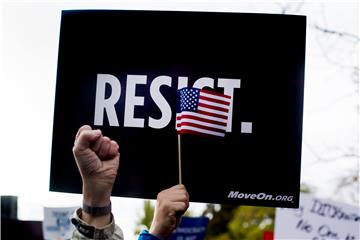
{"x":179,"y":158}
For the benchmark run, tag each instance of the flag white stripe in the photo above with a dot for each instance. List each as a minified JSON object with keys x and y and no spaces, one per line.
{"x":176,"y":125}
{"x":213,"y":111}
{"x":201,"y":116}
{"x":214,"y":104}
{"x":185,"y":120}
{"x":195,"y":129}
{"x":215,"y":97}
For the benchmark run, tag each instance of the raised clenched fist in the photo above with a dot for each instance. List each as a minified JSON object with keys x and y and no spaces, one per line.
{"x":97,"y":158}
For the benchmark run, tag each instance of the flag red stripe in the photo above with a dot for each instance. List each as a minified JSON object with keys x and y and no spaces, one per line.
{"x":215,"y":93}
{"x":200,"y":126}
{"x":213,"y":107}
{"x":214,"y":100}
{"x":200,"y":119}
{"x":212,"y":114}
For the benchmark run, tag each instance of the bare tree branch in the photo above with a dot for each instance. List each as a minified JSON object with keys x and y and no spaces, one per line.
{"x":338,"y":33}
{"x":350,"y":154}
{"x":350,"y":181}
{"x":291,"y":7}
{"x":340,"y":49}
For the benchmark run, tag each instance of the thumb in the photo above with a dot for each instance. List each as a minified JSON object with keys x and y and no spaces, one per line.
{"x":85,"y":137}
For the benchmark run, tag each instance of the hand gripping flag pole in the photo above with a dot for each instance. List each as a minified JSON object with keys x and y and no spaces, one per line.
{"x":200,"y":112}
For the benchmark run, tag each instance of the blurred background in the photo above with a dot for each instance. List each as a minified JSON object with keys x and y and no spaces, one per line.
{"x":29,"y":34}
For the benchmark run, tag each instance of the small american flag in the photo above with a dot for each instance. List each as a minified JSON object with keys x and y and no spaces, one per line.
{"x":202,"y":112}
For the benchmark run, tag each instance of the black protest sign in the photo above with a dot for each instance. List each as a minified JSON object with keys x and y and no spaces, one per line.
{"x":120,"y":71}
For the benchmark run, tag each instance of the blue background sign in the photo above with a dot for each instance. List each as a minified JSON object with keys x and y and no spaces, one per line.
{"x":191,"y":228}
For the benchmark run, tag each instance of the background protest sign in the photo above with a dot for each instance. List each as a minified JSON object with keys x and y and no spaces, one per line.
{"x":191,"y":228}
{"x":57,"y":225}
{"x":120,"y":71}
{"x":318,"y":219}
{"x":268,"y":235}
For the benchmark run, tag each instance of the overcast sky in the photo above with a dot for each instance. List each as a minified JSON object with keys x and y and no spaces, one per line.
{"x":29,"y":43}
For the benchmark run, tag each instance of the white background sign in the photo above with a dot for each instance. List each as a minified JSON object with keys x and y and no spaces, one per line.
{"x":57,"y":224}
{"x":318,"y":219}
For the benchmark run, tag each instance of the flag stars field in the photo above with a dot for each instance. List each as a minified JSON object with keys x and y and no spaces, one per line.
{"x":202,"y":112}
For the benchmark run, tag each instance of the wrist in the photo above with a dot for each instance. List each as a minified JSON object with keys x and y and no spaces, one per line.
{"x":95,"y":198}
{"x":147,"y":235}
{"x":96,"y":201}
{"x":156,"y":231}
{"x":97,"y":211}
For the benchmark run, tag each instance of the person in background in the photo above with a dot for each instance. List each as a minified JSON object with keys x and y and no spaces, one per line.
{"x":97,"y":158}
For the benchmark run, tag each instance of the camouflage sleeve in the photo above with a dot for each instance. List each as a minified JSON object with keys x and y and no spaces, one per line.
{"x":108,"y":232}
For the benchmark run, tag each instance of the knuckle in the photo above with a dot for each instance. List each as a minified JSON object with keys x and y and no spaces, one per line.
{"x":184,"y":206}
{"x":159,"y":196}
{"x":183,"y":197}
{"x":165,"y":207}
{"x":75,"y":150}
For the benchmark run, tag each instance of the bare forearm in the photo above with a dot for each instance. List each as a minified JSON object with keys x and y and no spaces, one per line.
{"x":98,"y":199}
